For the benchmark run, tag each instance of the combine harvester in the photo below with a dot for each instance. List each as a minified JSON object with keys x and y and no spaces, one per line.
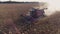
{"x":10,"y":12}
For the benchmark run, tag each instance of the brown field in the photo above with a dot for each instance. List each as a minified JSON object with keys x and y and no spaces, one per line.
{"x":9,"y":13}
{"x":9,"y":10}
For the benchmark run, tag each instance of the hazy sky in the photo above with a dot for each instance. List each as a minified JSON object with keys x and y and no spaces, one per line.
{"x":52,"y":4}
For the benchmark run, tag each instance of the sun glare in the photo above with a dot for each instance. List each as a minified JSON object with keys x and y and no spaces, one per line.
{"x":53,"y":5}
